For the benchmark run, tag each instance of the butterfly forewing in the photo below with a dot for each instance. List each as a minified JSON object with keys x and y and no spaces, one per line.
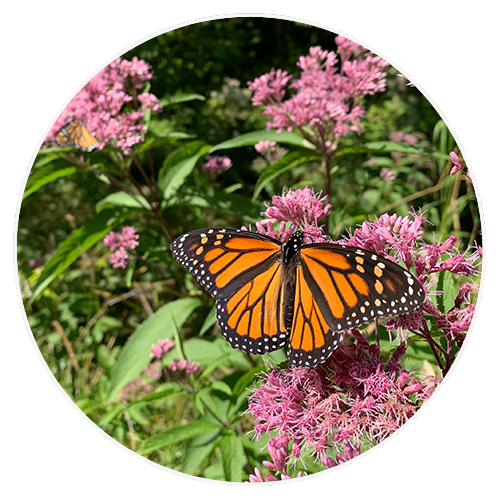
{"x":223,"y":260}
{"x":353,"y":286}
{"x":242,"y":270}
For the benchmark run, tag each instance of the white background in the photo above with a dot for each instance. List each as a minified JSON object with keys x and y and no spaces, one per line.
{"x":50,"y":49}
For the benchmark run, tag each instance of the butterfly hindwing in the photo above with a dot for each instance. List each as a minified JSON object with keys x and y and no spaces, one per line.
{"x":251,"y":318}
{"x":311,"y":339}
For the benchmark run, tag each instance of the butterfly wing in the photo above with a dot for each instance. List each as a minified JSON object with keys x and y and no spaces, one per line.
{"x":243,"y":271}
{"x":75,"y":135}
{"x":339,"y":288}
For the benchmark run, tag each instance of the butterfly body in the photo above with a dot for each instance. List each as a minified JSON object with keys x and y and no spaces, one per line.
{"x":271,"y":293}
{"x":75,"y":135}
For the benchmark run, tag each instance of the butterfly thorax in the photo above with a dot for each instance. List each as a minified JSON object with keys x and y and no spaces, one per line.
{"x":290,"y":256}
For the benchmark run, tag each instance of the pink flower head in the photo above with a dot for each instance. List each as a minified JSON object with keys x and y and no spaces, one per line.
{"x":119,"y":259}
{"x":354,"y":394}
{"x":327,"y":93}
{"x":182,"y":367}
{"x":217,"y":164}
{"x":301,"y":209}
{"x":457,"y":164}
{"x":268,"y":150}
{"x":107,"y":106}
{"x":159,"y":350}
{"x":119,"y":243}
{"x":387,"y":233}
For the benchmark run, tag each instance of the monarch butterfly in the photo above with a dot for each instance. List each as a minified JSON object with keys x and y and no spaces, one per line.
{"x":75,"y":135}
{"x":270,"y":293}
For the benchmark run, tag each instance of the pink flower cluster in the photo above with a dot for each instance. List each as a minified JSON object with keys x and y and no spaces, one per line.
{"x":216,"y":165}
{"x":183,"y":366}
{"x":159,"y":350}
{"x":328,"y":92}
{"x":355,"y":395}
{"x":119,"y":243}
{"x":110,"y":106}
{"x":296,"y":209}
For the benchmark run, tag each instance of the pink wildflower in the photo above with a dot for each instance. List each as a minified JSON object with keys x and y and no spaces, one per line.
{"x":458,"y":166}
{"x":354,"y":394}
{"x":119,"y":259}
{"x":183,"y":367}
{"x":389,"y":232}
{"x":268,"y":150}
{"x":119,"y":243}
{"x":216,"y":165}
{"x":106,"y":104}
{"x":135,"y":389}
{"x":159,"y":350}
{"x":301,"y":209}
{"x":327,"y":93}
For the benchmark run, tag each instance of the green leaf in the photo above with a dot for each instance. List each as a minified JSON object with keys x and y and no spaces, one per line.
{"x":225,"y":203}
{"x":178,"y":98}
{"x":233,"y":457}
{"x":281,"y":166}
{"x":48,"y":174}
{"x":135,"y":355}
{"x":210,"y":321}
{"x":245,"y":380}
{"x":218,"y":407}
{"x":199,"y":449}
{"x":176,"y":435}
{"x":253,"y":138}
{"x":80,"y":240}
{"x":446,"y":300}
{"x":110,"y":416}
{"x":178,"y":165}
{"x":391,"y":147}
{"x":219,"y":385}
{"x":122,"y":199}
{"x":174,"y":390}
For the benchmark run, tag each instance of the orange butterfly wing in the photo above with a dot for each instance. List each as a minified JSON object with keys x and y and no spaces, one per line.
{"x":339,"y":288}
{"x":75,"y":135}
{"x":243,"y":271}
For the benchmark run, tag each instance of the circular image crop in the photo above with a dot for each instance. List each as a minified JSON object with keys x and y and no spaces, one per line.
{"x":259,"y":253}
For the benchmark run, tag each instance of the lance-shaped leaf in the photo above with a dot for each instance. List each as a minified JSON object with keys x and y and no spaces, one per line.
{"x":253,"y":138}
{"x":47,"y":174}
{"x":391,"y":147}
